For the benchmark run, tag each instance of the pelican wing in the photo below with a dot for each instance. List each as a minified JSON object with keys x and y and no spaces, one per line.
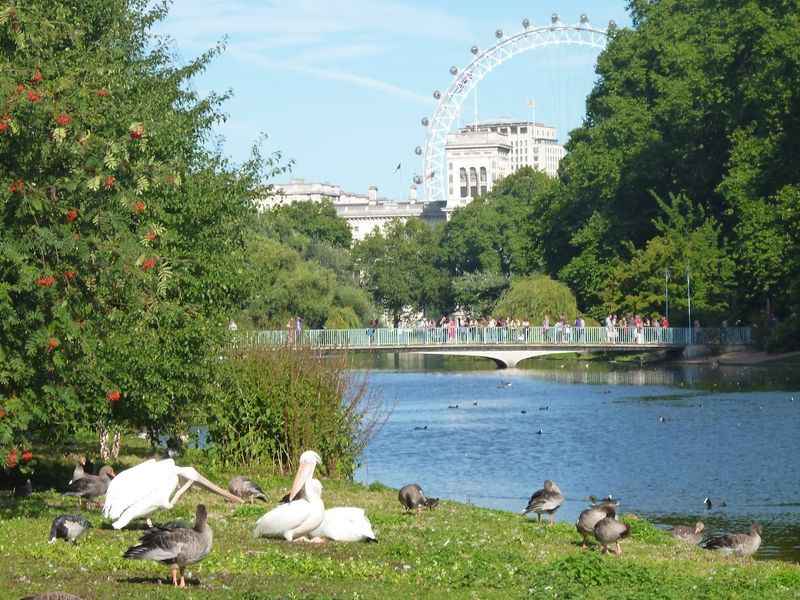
{"x":283,"y":518}
{"x":140,"y":490}
{"x":345,"y":524}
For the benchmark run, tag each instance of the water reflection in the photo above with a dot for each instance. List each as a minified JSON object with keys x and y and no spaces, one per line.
{"x":661,"y":439}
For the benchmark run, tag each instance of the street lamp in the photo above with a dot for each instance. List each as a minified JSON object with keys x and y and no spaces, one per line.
{"x":689,"y":301}
{"x":666,"y":293}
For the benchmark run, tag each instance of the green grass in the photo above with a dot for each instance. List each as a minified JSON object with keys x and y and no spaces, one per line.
{"x":455,"y":551}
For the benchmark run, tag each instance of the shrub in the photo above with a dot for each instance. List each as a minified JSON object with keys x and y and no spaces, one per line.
{"x":537,"y":296}
{"x":342,"y":318}
{"x":277,"y":402}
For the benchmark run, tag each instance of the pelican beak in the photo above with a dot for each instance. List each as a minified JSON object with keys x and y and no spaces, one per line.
{"x":218,"y":490}
{"x":304,"y":473}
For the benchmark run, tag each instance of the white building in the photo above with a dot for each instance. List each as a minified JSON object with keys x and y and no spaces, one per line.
{"x":363,"y":212}
{"x":497,"y":149}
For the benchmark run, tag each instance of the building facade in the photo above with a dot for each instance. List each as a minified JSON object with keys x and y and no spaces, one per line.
{"x":363,"y":212}
{"x":492,"y":150}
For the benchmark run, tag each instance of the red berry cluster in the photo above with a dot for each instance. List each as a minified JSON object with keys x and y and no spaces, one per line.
{"x":150,"y":236}
{"x":12,"y":460}
{"x":4,"y":123}
{"x":63,"y":119}
{"x":69,"y":275}
{"x":72,"y":214}
{"x":34,"y":96}
{"x":139,"y":207}
{"x":17,"y":186}
{"x":102,"y":93}
{"x":46,"y":281}
{"x":37,"y":76}
{"x":148,"y":264}
{"x":52,"y":344}
{"x":113,"y":395}
{"x":109,"y":182}
{"x":27,"y":456}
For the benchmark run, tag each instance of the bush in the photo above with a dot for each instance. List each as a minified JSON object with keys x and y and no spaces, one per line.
{"x":277,"y":402}
{"x":534,"y":297}
{"x":342,"y":318}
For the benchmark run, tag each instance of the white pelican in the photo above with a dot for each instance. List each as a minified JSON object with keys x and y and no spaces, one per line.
{"x":143,"y":489}
{"x":345,"y":524}
{"x":296,"y":519}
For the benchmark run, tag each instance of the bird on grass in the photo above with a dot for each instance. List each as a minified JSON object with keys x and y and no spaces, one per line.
{"x":53,"y":596}
{"x":737,"y":544}
{"x":547,"y":500}
{"x":609,"y":531}
{"x":91,"y":486}
{"x":412,"y":497}
{"x":690,"y":535}
{"x":592,"y":516}
{"x":246,"y":489}
{"x":176,"y":547}
{"x":68,"y":528}
{"x":345,"y":524}
{"x":79,"y":471}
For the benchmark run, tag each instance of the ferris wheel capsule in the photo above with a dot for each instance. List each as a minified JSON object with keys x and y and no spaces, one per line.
{"x":437,"y":94}
{"x":417,"y":179}
{"x":526,"y":23}
{"x":474,"y":50}
{"x":454,"y":70}
{"x":425,"y":122}
{"x":498,"y":34}
{"x":584,"y":19}
{"x":554,"y":18}
{"x":418,"y":150}
{"x":612,"y":25}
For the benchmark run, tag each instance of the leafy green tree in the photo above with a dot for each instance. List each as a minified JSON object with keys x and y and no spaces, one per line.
{"x":534,"y":297}
{"x":478,"y":292}
{"x":120,"y":231}
{"x":301,"y":223}
{"x":399,"y":267}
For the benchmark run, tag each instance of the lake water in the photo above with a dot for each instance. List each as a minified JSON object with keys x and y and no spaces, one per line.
{"x":659,"y":439}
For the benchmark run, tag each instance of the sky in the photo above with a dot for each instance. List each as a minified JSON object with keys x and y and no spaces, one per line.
{"x":340,"y":86}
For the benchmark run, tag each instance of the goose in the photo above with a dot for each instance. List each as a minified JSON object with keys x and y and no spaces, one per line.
{"x":53,"y":596}
{"x":246,"y":488}
{"x":91,"y":486}
{"x":546,"y":500}
{"x":300,"y":516}
{"x":591,"y":517}
{"x":78,"y":472}
{"x":609,"y":531}
{"x":69,"y":528}
{"x":143,"y":489}
{"x":737,"y":544}
{"x":345,"y":524}
{"x":690,"y":535}
{"x":412,"y":497}
{"x":176,"y":547}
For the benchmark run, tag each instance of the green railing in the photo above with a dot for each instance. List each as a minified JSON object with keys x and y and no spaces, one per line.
{"x":367,"y":338}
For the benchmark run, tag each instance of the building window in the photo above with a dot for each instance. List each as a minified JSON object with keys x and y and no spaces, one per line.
{"x":463,"y":176}
{"x":473,"y":182}
{"x":451,"y":177}
{"x":451,"y":166}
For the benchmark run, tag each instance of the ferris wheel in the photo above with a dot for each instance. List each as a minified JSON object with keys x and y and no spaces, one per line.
{"x":465,"y":81}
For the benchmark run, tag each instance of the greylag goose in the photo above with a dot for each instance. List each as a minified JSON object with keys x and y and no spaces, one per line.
{"x":609,"y":531}
{"x":69,"y":528}
{"x":412,"y":497}
{"x":591,"y":517}
{"x":176,"y":547}
{"x":690,"y":535}
{"x":738,"y":544}
{"x":78,"y":472}
{"x":547,"y":500}
{"x":53,"y":596}
{"x":246,"y":489}
{"x":91,"y":486}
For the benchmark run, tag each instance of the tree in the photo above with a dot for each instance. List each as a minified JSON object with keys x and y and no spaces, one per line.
{"x":534,"y":297}
{"x":120,"y":231}
{"x":398,"y":265}
{"x":301,"y":223}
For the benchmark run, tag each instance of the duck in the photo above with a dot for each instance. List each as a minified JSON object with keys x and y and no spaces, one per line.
{"x":246,"y":489}
{"x":68,"y":528}
{"x":412,"y":497}
{"x":737,"y":544}
{"x":609,"y":531}
{"x":91,"y":486}
{"x":690,"y":535}
{"x":547,"y":500}
{"x":591,"y":516}
{"x":176,"y":547}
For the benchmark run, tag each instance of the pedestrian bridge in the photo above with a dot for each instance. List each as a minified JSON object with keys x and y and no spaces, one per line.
{"x":506,"y":346}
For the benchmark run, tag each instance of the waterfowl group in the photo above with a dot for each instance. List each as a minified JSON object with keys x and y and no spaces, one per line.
{"x":590,"y":517}
{"x":176,"y":547}
{"x":545,"y":501}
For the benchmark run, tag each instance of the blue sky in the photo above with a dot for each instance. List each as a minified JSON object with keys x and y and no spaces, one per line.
{"x":340,"y":86}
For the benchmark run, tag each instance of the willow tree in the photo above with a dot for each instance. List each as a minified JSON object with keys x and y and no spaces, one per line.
{"x":119,"y":232}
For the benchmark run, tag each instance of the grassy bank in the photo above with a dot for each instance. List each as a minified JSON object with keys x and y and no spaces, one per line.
{"x":455,"y":551}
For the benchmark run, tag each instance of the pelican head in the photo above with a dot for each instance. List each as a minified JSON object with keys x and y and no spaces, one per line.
{"x":305,"y":471}
{"x":191,"y":474}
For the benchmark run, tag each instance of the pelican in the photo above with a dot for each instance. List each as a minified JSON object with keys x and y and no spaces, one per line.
{"x":345,"y":524}
{"x":300,"y":516}
{"x":143,"y":489}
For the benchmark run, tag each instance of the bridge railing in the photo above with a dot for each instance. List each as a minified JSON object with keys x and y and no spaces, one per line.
{"x":495,"y":336}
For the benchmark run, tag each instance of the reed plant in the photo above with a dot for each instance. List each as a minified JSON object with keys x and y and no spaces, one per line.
{"x":274,"y":403}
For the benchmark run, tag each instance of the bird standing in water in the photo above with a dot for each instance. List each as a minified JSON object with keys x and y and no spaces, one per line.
{"x":176,"y":547}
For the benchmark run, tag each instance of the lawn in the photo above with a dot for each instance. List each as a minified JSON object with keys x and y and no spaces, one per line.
{"x":454,"y":551}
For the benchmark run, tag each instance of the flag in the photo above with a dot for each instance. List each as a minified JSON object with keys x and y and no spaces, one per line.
{"x":397,"y":168}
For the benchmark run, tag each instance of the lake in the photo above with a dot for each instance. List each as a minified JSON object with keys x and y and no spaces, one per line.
{"x":661,"y":439}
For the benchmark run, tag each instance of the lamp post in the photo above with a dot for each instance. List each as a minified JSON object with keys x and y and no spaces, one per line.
{"x":666,"y":293}
{"x":689,"y":302}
